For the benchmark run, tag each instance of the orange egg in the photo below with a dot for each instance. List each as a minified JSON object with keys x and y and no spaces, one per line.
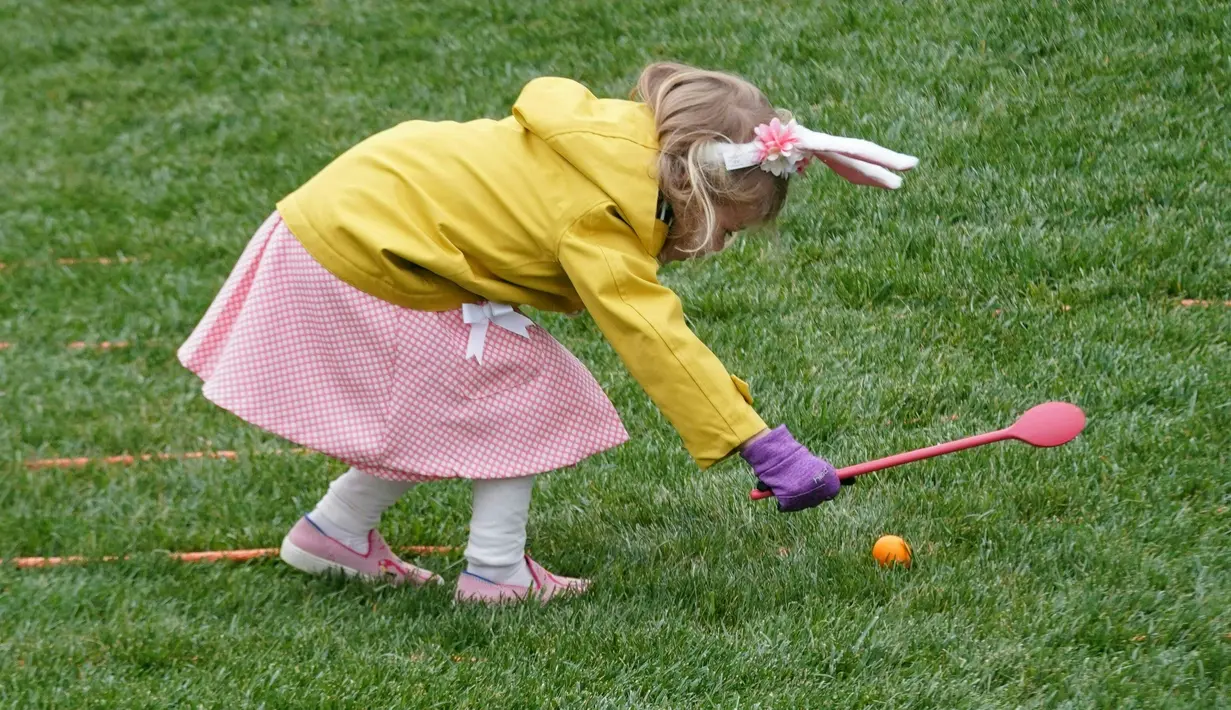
{"x":891,"y":550}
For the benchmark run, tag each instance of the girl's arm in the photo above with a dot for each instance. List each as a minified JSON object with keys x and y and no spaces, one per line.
{"x":644,"y":321}
{"x":617,"y":280}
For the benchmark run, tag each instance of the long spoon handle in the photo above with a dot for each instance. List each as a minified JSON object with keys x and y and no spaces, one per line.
{"x":949,"y":447}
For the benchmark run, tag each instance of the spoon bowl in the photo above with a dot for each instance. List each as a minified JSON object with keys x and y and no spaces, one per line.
{"x":1049,"y":424}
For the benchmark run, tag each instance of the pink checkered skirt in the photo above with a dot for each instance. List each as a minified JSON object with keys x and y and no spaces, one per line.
{"x":290,"y":348}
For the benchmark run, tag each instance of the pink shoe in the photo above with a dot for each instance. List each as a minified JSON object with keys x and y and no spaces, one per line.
{"x":543,"y":586}
{"x":306,"y":548}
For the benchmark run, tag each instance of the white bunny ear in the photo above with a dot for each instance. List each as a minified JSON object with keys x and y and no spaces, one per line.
{"x":860,"y":150}
{"x":859,"y":172}
{"x":784,"y":149}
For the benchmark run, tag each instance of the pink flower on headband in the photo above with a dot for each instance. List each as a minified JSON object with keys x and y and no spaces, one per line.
{"x":778,"y":147}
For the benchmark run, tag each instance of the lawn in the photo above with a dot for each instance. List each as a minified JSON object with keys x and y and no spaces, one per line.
{"x":1073,"y":194}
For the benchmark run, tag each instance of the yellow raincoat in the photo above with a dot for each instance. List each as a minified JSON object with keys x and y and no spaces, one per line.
{"x":554,"y":208}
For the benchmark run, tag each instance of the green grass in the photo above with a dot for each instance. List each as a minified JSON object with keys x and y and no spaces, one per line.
{"x":1074,"y":187}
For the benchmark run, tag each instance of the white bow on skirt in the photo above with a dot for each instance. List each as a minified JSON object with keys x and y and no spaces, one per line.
{"x":479,"y":315}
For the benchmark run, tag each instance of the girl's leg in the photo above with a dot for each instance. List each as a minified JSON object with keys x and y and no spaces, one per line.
{"x":498,"y":570}
{"x":497,"y":547}
{"x":353,"y":506}
{"x":340,"y":534}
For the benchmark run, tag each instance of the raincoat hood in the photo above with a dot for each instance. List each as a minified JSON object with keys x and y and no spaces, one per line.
{"x":612,"y":143}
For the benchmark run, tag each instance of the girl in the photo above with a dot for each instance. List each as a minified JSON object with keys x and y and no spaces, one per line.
{"x":373,"y":316}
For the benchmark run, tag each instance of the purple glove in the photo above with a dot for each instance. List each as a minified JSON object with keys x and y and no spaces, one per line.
{"x":798,"y":479}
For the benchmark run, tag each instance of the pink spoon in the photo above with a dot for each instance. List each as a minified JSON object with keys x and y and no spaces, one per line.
{"x":1048,"y":424}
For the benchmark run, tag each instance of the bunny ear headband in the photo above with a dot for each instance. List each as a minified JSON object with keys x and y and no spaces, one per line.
{"x":787,"y":148}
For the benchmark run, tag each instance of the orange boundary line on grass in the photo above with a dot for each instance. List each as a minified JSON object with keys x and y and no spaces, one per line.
{"x":130,"y":459}
{"x":1200,"y":302}
{"x":77,"y":261}
{"x":204,"y":556}
{"x":102,"y":346}
{"x":99,"y":260}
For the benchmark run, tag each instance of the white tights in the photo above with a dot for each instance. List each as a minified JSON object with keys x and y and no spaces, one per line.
{"x":501,"y":508}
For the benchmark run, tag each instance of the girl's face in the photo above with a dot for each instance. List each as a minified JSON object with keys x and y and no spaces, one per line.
{"x":732,"y":219}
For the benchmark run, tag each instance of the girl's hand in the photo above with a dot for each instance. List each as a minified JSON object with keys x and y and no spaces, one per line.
{"x":798,"y":479}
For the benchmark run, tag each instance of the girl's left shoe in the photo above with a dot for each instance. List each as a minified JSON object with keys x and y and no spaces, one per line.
{"x":308,"y":549}
{"x":543,"y":587}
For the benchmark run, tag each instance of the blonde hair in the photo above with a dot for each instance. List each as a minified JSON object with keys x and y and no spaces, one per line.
{"x":692,"y":108}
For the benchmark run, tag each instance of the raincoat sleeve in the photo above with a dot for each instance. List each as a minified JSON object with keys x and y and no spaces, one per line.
{"x":644,"y":321}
